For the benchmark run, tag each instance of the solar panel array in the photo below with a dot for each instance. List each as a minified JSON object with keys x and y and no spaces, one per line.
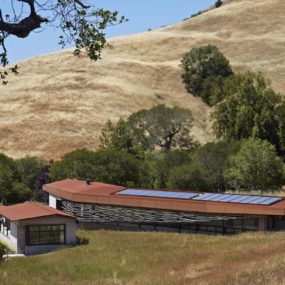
{"x":226,"y":198}
{"x":160,"y":194}
{"x":241,"y":199}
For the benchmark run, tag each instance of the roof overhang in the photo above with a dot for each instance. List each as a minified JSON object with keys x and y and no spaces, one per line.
{"x":187,"y":205}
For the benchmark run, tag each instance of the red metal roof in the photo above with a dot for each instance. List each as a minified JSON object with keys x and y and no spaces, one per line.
{"x":27,"y":211}
{"x":74,"y":186}
{"x":100,"y":193}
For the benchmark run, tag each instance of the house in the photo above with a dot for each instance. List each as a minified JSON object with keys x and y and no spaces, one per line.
{"x":99,"y":205}
{"x":34,"y":228}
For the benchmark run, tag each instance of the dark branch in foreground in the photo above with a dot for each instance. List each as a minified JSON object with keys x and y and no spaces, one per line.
{"x":25,"y":26}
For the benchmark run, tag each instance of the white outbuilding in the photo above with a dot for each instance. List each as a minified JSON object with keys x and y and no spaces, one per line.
{"x":35,"y":228}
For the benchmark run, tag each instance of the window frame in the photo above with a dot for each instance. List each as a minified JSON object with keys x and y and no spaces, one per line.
{"x":27,"y":227}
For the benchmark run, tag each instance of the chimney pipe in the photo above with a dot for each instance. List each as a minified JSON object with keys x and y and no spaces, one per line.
{"x":88,"y":181}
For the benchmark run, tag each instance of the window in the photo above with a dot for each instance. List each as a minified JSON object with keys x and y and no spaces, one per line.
{"x":58,"y":204}
{"x":45,"y":234}
{"x":5,"y":226}
{"x":251,"y":224}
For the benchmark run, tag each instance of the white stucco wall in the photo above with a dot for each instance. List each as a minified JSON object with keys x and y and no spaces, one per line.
{"x":52,"y":201}
{"x":11,"y":239}
{"x":70,"y":227}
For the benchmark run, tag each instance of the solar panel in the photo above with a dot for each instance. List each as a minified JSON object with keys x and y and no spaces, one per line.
{"x":212,"y":197}
{"x":216,"y":197}
{"x":239,"y":199}
{"x":270,"y":201}
{"x":229,"y":198}
{"x":203,"y":196}
{"x":226,"y":197}
{"x":249,"y":200}
{"x":235,"y":198}
{"x":219,"y":197}
{"x":259,"y":200}
{"x":162,"y":194}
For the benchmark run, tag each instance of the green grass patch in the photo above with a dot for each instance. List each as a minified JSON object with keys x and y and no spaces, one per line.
{"x":155,"y":258}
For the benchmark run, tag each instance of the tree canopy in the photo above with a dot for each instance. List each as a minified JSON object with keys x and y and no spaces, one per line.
{"x":162,"y":127}
{"x":159,"y":165}
{"x":18,"y":178}
{"x":248,"y":110}
{"x":202,"y":64}
{"x":255,"y":167}
{"x":81,"y":24}
{"x":206,"y":170}
{"x":109,"y":166}
{"x":116,"y":137}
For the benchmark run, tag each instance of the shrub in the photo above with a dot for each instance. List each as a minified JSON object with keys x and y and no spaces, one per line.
{"x":81,"y":240}
{"x":218,"y":3}
{"x":196,"y":14}
{"x":3,"y":250}
{"x":187,"y":177}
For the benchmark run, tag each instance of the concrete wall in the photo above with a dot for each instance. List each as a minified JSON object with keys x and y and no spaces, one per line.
{"x":11,"y":239}
{"x":70,"y":227}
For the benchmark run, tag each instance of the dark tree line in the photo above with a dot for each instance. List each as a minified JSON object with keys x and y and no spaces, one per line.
{"x":21,"y":179}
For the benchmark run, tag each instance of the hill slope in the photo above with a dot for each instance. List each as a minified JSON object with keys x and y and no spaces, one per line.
{"x":59,"y":102}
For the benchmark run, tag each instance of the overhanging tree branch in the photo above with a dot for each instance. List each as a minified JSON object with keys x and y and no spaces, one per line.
{"x":25,"y":26}
{"x":81,"y":4}
{"x":82,"y":25}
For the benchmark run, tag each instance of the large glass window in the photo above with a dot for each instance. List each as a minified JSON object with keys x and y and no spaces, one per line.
{"x":45,"y":234}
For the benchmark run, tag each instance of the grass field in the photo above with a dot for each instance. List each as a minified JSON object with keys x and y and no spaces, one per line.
{"x":156,"y":258}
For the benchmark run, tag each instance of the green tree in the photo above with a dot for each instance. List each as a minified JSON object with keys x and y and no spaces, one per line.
{"x":19,"y":192}
{"x":12,"y":190}
{"x":28,"y":169}
{"x":8,"y":174}
{"x":249,"y":111}
{"x":109,"y":166}
{"x":107,"y":135}
{"x":213,"y":159}
{"x":162,"y":127}
{"x":280,"y":112}
{"x":117,"y":167}
{"x":201,"y":64}
{"x":189,"y":177}
{"x":78,"y":164}
{"x":218,"y":3}
{"x":255,"y":167}
{"x":116,"y":137}
{"x":206,"y":170}
{"x":158,"y":165}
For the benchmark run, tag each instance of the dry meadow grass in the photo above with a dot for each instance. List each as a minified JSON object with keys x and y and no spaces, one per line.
{"x":156,"y":258}
{"x":59,"y":102}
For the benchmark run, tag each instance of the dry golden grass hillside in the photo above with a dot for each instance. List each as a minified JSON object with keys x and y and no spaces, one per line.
{"x":59,"y":102}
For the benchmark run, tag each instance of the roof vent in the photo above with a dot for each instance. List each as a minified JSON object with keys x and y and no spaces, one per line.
{"x":88,"y":181}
